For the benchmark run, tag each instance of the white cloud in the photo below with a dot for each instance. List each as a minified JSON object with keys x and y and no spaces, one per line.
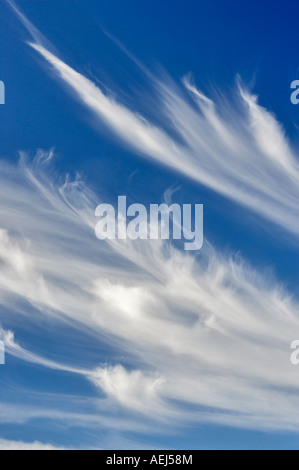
{"x":208,"y":334}
{"x":241,"y":152}
{"x":19,"y":445}
{"x":132,"y":389}
{"x":207,"y":338}
{"x":233,"y":146}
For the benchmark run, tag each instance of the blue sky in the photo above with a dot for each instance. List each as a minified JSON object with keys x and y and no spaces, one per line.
{"x":140,"y":345}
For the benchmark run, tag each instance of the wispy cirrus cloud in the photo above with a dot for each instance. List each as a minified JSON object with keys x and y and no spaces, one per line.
{"x":197,"y":332}
{"x":202,"y":339}
{"x":240,"y":152}
{"x":6,"y":444}
{"x":234,"y":146}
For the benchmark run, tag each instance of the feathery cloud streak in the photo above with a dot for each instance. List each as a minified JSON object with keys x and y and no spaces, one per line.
{"x":225,"y":357}
{"x":19,"y":445}
{"x":232,"y":340}
{"x":238,"y":150}
{"x":240,"y":153}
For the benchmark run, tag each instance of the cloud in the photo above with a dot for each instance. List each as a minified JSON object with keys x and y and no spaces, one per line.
{"x":203,"y":339}
{"x":132,"y":389}
{"x":19,"y":445}
{"x":233,"y":146}
{"x":240,"y":152}
{"x":13,"y":348}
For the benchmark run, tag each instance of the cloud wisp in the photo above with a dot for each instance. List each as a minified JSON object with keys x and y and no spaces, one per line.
{"x":233,"y":146}
{"x":232,"y":340}
{"x":6,"y":444}
{"x":202,"y":339}
{"x":241,"y":153}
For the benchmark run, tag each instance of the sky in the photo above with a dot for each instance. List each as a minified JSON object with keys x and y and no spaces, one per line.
{"x":123,"y":344}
